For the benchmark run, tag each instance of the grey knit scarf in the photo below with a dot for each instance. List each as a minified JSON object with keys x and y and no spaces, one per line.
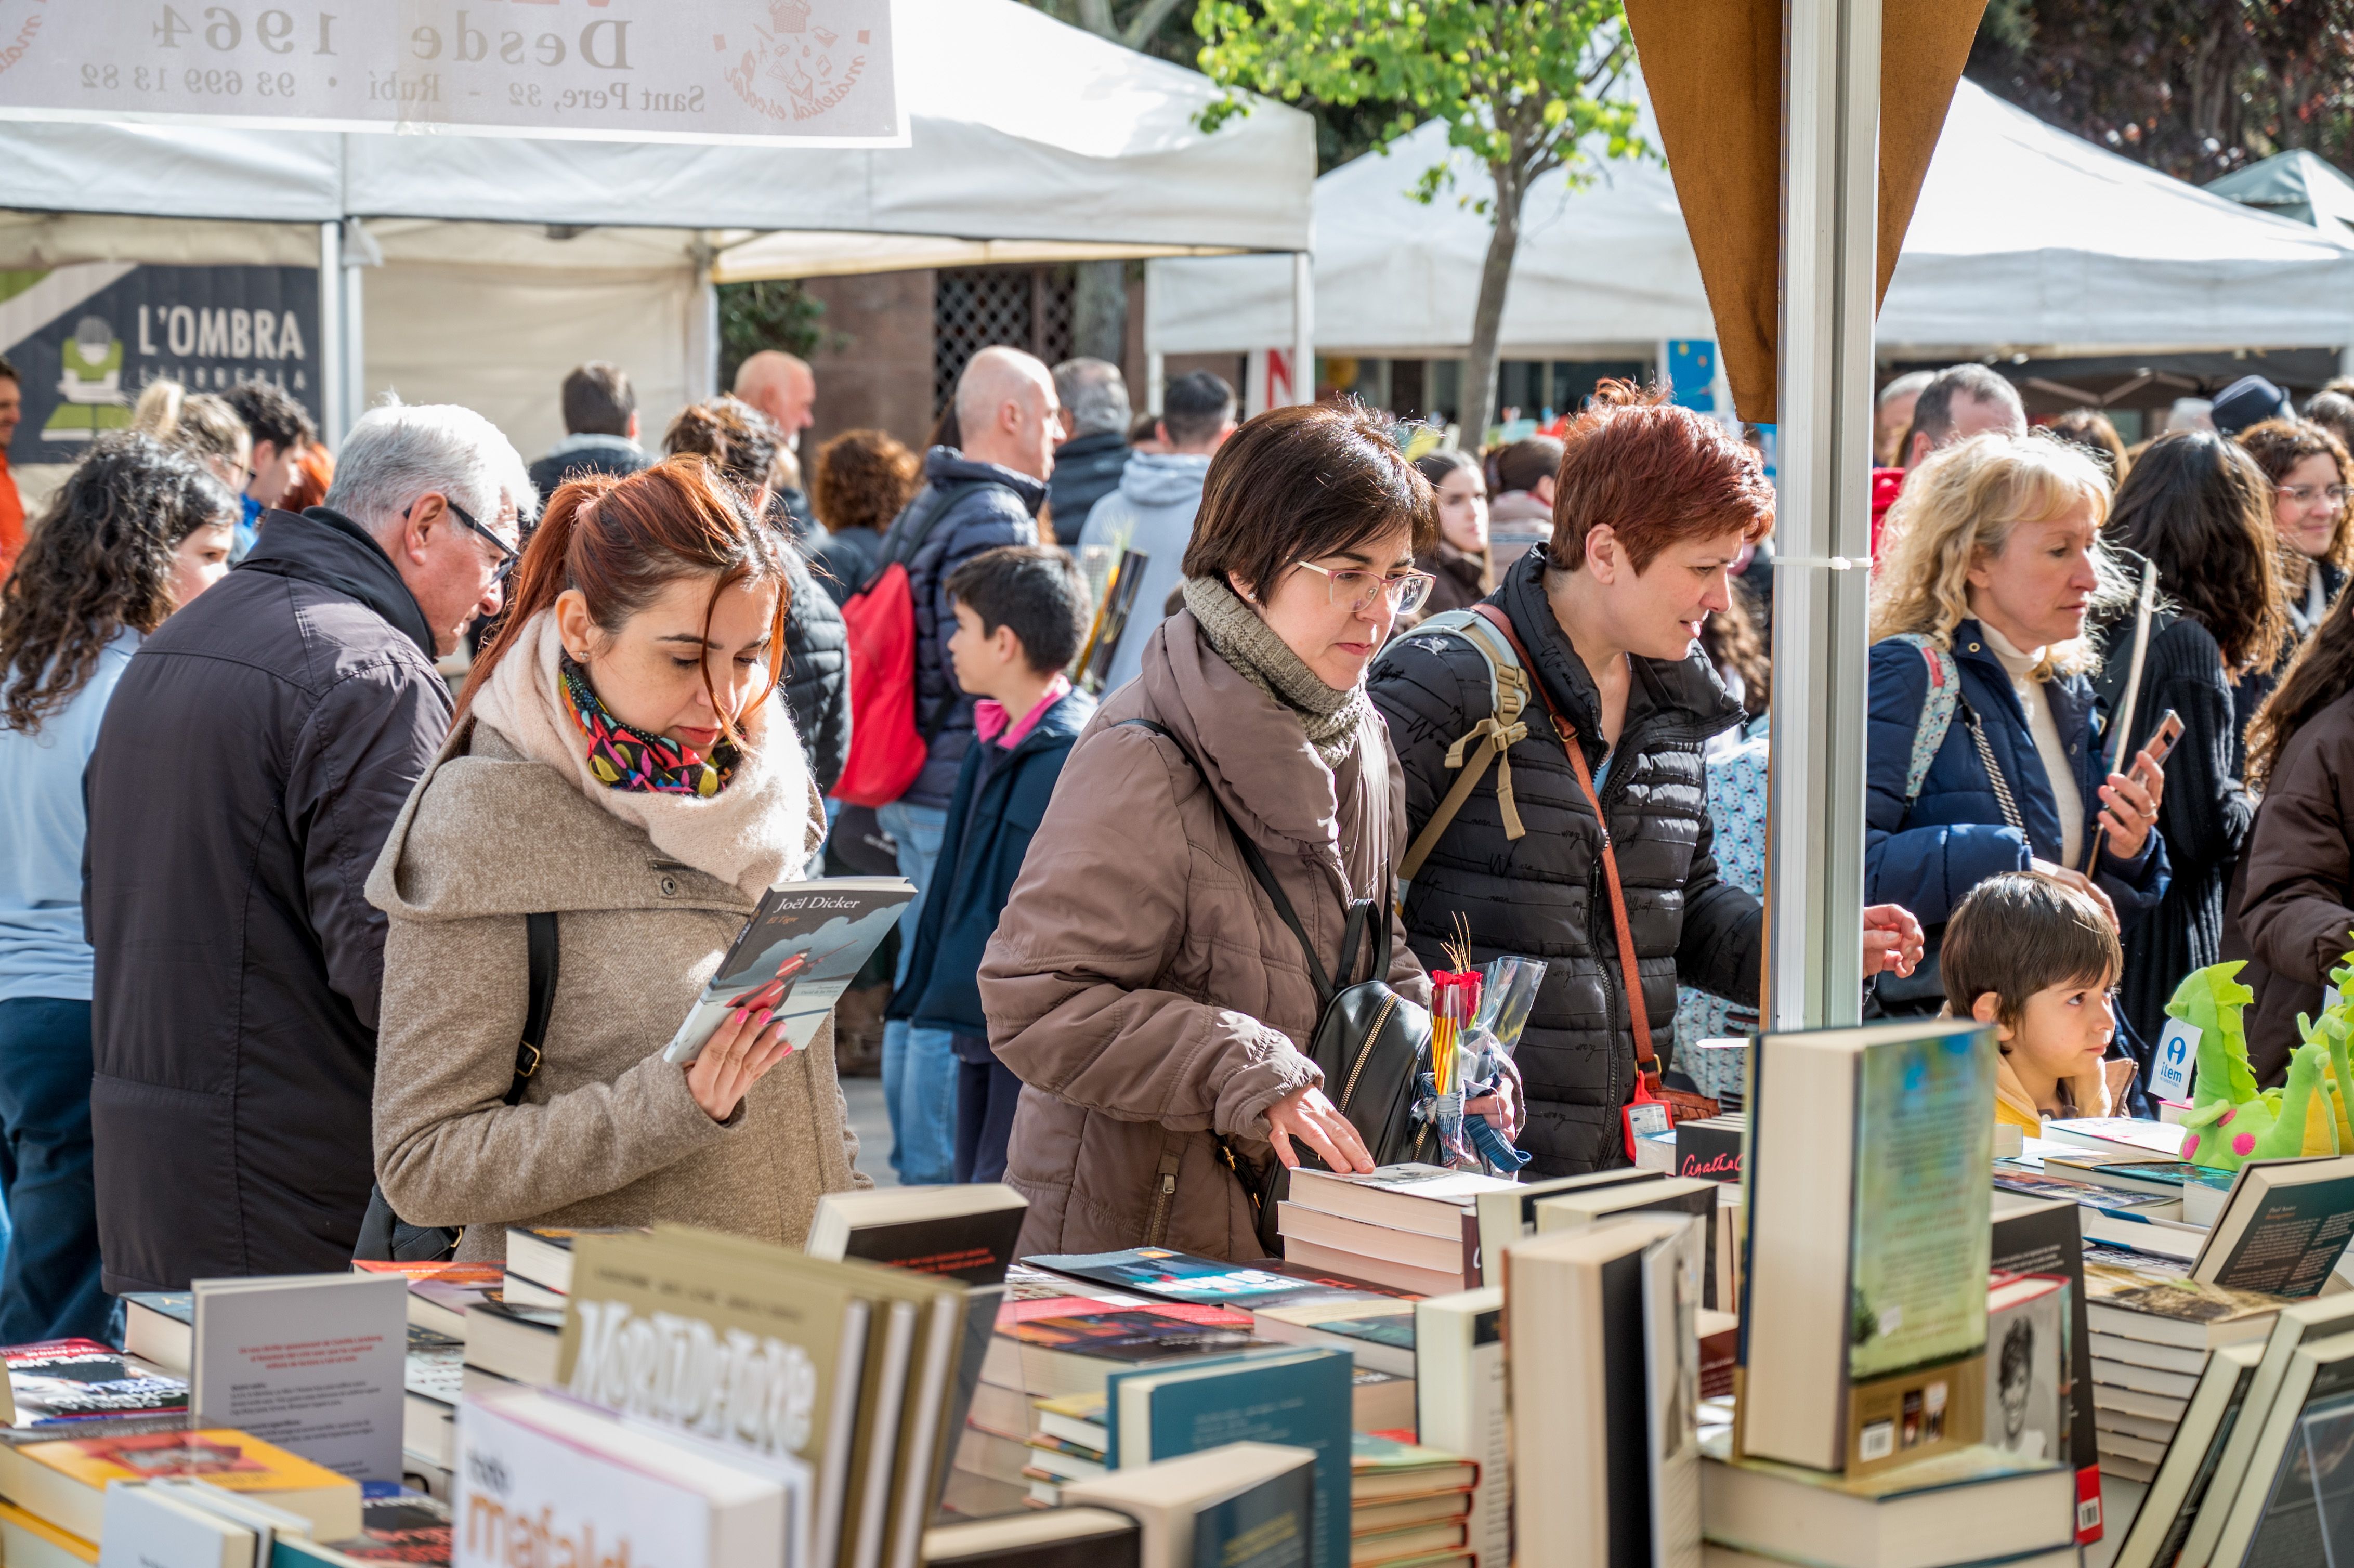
{"x":1245,"y":641}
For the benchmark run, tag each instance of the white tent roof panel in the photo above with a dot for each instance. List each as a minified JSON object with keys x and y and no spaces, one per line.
{"x":2025,"y":236}
{"x":1020,"y":128}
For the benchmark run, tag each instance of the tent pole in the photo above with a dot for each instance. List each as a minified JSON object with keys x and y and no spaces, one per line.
{"x":703,"y":324}
{"x":1303,"y":327}
{"x":1830,"y":150}
{"x":1156,"y":380}
{"x":329,"y":365}
{"x":359,"y":251}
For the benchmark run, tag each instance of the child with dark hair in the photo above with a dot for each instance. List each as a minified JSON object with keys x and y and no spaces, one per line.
{"x":2039,"y":960}
{"x":1022,"y":612}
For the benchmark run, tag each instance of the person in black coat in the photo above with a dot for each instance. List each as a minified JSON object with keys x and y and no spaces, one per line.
{"x":249,"y":769}
{"x":861,"y":480}
{"x":1087,"y":467}
{"x":2198,"y":505}
{"x":740,"y":442}
{"x":1606,"y":614}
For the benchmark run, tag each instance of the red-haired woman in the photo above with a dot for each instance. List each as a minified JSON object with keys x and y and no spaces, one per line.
{"x":621,"y":757}
{"x":1652,"y":504}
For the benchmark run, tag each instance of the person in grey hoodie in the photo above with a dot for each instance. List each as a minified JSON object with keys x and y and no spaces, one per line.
{"x":1152,"y":509}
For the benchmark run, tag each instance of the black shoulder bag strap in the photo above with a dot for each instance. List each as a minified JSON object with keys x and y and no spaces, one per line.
{"x":1263,"y":874}
{"x":384,"y":1236}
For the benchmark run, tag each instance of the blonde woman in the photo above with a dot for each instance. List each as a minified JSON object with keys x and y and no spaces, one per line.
{"x":1990,"y":564}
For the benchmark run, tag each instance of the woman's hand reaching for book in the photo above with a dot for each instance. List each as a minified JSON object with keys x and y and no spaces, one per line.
{"x":738,"y":1054}
{"x":1305,"y":1113}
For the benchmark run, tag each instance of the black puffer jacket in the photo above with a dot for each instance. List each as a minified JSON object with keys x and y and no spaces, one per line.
{"x":817,"y":675}
{"x":1086,"y":469}
{"x":1543,"y":896}
{"x":986,"y":506}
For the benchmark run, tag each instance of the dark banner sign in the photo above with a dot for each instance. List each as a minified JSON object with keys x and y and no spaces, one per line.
{"x":85,"y":339}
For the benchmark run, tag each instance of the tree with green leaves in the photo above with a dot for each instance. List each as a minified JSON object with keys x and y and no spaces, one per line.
{"x":1533,"y":88}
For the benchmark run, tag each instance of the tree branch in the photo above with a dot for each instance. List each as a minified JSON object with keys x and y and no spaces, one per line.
{"x":1147,"y":22}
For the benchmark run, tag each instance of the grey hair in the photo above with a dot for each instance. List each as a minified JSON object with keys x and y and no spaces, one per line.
{"x":398,"y":452}
{"x":1094,"y":395}
{"x":1911,"y":384}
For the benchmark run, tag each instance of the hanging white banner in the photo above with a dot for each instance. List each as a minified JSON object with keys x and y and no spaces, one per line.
{"x":808,"y":72}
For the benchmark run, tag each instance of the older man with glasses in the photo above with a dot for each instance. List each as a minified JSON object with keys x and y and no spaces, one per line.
{"x":250,"y":769}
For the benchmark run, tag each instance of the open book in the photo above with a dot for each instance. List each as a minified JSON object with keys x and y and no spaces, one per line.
{"x":803,"y":945}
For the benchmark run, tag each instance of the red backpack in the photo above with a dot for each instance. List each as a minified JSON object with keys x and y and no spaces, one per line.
{"x":887,"y":746}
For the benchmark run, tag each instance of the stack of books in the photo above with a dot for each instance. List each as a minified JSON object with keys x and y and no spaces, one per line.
{"x":59,"y":1492}
{"x":1408,"y":1504}
{"x":2151,"y":1329}
{"x":538,"y":1271}
{"x":1414,"y":1227}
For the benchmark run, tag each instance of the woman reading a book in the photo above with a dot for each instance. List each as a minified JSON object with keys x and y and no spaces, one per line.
{"x":1140,"y":983}
{"x":623,"y":758}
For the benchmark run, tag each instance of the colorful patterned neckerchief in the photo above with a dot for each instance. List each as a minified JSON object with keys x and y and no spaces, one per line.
{"x":624,"y":759}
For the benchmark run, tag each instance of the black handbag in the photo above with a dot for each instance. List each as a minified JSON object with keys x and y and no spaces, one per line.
{"x":1370,"y":1042}
{"x":384,"y":1236}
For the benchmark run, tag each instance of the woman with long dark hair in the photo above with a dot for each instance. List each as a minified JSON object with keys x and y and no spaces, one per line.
{"x":2309,"y":472}
{"x":628,"y":712}
{"x":2296,"y":893}
{"x":137,"y":531}
{"x":2198,"y":506}
{"x":1460,"y":570}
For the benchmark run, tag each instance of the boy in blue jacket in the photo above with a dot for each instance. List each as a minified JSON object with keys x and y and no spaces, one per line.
{"x":1022,"y":612}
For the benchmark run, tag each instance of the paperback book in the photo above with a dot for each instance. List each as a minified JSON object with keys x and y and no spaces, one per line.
{"x":803,"y":945}
{"x":1868,"y":1244}
{"x":1168,"y":1275}
{"x":2035,"y":1236}
{"x":2283,"y":1228}
{"x":61,"y":1381}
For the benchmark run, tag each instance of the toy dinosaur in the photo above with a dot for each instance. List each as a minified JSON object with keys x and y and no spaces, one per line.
{"x":2337,"y":1087}
{"x":2228,"y":1116}
{"x":2303,"y":1123}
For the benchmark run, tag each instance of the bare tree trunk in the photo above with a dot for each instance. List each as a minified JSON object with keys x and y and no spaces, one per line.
{"x":1099,"y":312}
{"x":1488,"y":315}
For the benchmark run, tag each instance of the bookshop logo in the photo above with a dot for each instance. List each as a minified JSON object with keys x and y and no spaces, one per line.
{"x":753,"y":1390}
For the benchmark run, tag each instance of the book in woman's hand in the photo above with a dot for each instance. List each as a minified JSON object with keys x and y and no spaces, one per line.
{"x":798,"y":953}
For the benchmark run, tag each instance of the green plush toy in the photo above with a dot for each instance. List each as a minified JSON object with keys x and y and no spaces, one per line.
{"x":2337,"y":1088}
{"x":2228,"y":1116}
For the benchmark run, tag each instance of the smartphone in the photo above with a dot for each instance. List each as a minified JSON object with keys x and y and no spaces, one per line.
{"x":2169,"y":730}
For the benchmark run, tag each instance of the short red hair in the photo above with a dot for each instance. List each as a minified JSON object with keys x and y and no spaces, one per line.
{"x":1657,"y":474}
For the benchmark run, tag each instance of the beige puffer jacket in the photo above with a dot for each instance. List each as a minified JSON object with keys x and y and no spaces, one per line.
{"x":606,"y":1133}
{"x":1139,"y":982}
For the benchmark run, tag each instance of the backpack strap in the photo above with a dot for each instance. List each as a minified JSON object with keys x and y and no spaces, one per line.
{"x":1508,"y":695}
{"x":910,"y":530}
{"x":540,"y":933}
{"x":1639,"y":1012}
{"x":1937,"y":706}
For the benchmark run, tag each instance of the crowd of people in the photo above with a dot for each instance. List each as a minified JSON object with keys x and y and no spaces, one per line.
{"x":368,"y":821}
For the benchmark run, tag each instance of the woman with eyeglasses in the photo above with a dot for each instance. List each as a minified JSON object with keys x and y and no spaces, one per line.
{"x":2312,"y":480}
{"x":1652,"y":504}
{"x":621,"y":759}
{"x":1141,"y":986}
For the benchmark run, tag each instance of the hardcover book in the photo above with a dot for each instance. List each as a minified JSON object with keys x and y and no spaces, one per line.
{"x":1168,"y":1275}
{"x":65,"y":1482}
{"x":1065,"y":1538}
{"x":2283,"y":1229}
{"x":2180,"y":1486}
{"x":2292,"y":1508}
{"x":1239,"y":1505}
{"x":2295,"y":1325}
{"x":1868,"y":1244}
{"x":1505,"y":1217}
{"x":803,"y":945}
{"x":1460,"y":1403}
{"x":314,"y":1363}
{"x":965,"y":1234}
{"x":2036,"y":1237}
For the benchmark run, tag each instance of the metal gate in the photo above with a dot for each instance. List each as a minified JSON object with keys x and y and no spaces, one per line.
{"x":974,"y":307}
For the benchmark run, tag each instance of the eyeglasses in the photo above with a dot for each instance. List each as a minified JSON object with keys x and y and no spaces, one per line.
{"x":2303,"y":494}
{"x":508,"y":554}
{"x":1406,"y":591}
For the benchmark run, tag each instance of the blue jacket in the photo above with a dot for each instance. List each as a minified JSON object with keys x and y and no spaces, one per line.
{"x":1954,"y":836}
{"x":1000,"y":508}
{"x":998,"y":802}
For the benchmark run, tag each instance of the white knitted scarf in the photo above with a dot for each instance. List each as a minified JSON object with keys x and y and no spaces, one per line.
{"x":753,"y":834}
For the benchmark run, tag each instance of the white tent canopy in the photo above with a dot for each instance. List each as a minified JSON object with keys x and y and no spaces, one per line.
{"x":2025,"y":240}
{"x":1023,"y":130}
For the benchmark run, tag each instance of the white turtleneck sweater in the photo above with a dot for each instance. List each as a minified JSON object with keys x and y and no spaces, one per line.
{"x":2059,"y":769}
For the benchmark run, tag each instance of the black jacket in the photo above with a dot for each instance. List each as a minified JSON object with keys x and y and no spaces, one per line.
{"x":251,"y":763}
{"x":1543,"y":896}
{"x":817,"y":675}
{"x":2203,"y":821}
{"x":584,"y":454}
{"x":1086,"y":469}
{"x":993,"y":506}
{"x":842,"y":560}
